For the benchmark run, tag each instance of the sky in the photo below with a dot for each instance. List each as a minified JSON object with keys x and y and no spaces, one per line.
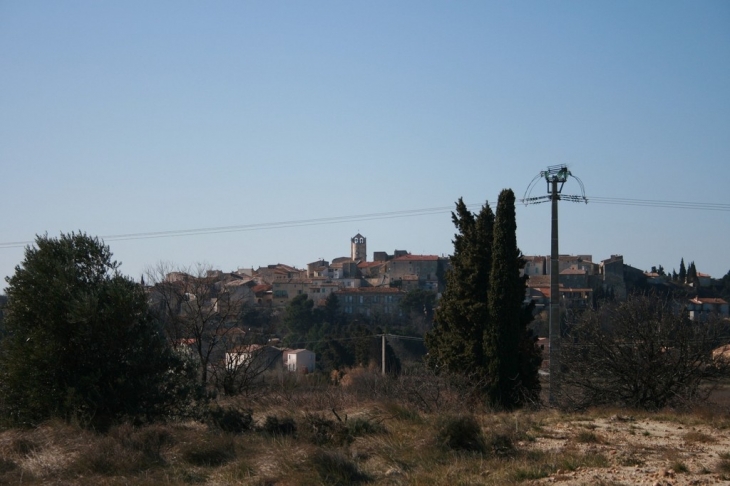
{"x":277,"y":130}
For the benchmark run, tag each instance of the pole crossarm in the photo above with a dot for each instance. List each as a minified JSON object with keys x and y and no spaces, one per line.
{"x":555,"y":176}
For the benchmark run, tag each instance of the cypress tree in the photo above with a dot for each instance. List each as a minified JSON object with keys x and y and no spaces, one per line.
{"x":692,"y":273}
{"x":682,"y":272}
{"x":512,"y":355}
{"x":456,"y":343}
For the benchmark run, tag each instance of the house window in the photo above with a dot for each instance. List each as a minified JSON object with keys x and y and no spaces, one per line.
{"x":362,"y":299}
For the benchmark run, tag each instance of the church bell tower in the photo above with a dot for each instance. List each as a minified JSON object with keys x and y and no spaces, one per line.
{"x":358,"y":248}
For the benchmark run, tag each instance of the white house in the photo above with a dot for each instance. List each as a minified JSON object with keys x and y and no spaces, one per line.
{"x":301,"y":360}
{"x":702,"y":307}
{"x":252,"y":355}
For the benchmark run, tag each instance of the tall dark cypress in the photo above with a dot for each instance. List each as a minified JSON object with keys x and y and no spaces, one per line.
{"x":456,"y":342}
{"x":692,"y":274}
{"x":682,"y":272}
{"x":511,"y":350}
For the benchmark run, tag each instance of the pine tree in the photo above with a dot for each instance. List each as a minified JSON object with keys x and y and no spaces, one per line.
{"x":456,"y":343}
{"x":511,"y":350}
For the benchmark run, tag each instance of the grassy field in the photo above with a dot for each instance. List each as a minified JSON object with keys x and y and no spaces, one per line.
{"x":357,"y":433}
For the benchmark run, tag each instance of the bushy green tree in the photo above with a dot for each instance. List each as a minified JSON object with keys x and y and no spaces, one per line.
{"x":456,"y":342}
{"x":80,"y":342}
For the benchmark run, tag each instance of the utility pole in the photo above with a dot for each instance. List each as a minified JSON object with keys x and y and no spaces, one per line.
{"x":555,"y":176}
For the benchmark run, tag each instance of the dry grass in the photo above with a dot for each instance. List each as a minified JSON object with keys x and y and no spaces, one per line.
{"x":380,"y":441}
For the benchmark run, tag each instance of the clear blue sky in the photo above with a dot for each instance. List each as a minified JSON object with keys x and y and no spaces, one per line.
{"x":139,"y":117}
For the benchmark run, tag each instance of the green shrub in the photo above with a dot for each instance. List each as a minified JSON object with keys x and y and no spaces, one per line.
{"x":81,"y":344}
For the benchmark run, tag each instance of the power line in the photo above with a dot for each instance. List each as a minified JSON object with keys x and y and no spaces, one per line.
{"x":361,"y":338}
{"x":661,"y":204}
{"x":262,"y":226}
{"x":698,"y":206}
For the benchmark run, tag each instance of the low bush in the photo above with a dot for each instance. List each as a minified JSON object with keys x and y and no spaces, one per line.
{"x":210,"y":450}
{"x":323,"y":431}
{"x":23,"y":446}
{"x":230,"y":419}
{"x":361,"y":426}
{"x":125,"y":449}
{"x":6,"y":465}
{"x":334,"y":468}
{"x":149,"y":440}
{"x":461,"y":433}
{"x":274,"y":425}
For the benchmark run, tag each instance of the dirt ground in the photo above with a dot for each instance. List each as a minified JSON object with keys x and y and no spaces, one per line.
{"x":641,"y":451}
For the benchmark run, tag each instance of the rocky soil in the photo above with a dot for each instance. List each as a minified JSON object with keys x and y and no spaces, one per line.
{"x":641,"y":451}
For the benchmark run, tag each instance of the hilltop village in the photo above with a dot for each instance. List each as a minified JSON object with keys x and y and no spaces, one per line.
{"x":377,"y":286}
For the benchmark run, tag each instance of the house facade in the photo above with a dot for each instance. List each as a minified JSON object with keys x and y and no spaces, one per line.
{"x":370,"y":300}
{"x":702,"y":308}
{"x":299,"y":360}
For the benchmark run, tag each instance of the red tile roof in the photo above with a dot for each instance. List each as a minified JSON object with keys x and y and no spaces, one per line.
{"x":573,"y":271}
{"x":371,"y":290}
{"x":410,"y":257}
{"x":708,"y":300}
{"x":369,"y":264}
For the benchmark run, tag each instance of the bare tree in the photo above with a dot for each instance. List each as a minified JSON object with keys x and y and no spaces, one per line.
{"x":644,"y":352}
{"x":243,"y":368}
{"x":199,"y":309}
